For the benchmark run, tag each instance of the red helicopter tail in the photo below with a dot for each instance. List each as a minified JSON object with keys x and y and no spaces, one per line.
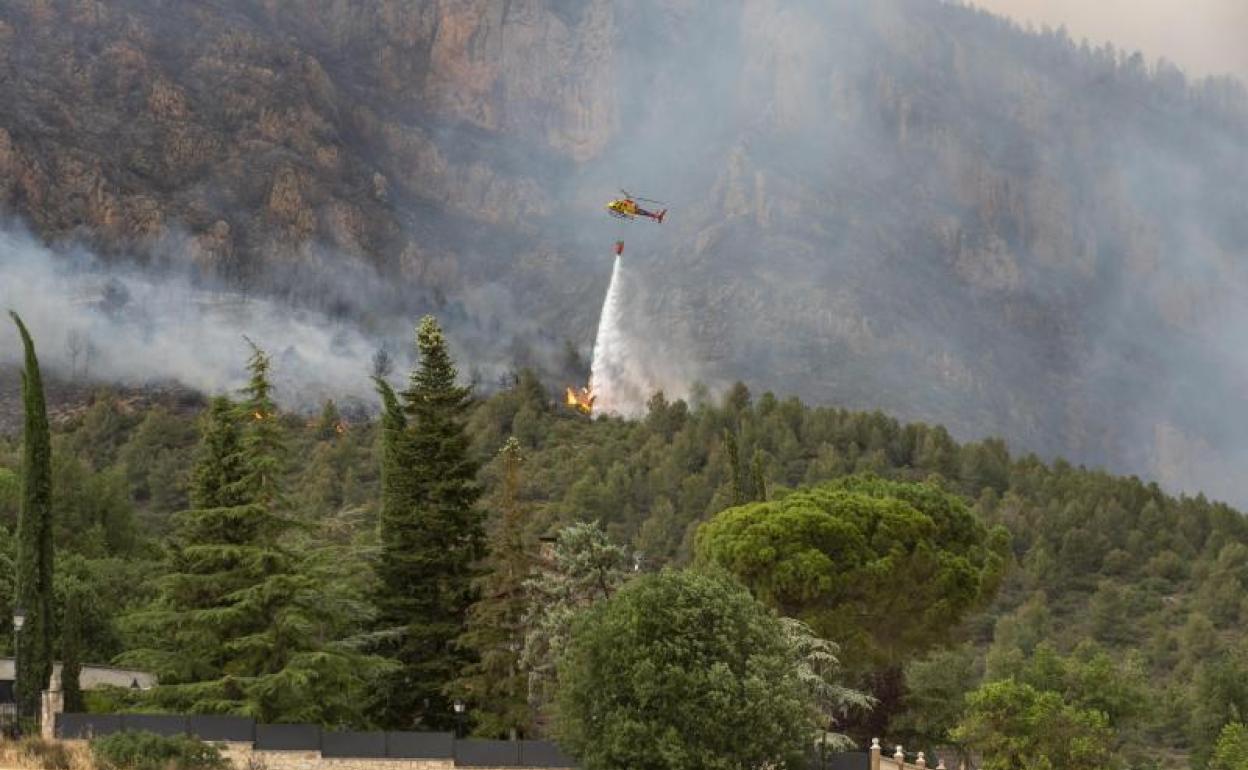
{"x":660,"y":215}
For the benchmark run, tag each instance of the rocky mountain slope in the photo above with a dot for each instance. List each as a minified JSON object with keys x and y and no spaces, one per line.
{"x":898,"y":204}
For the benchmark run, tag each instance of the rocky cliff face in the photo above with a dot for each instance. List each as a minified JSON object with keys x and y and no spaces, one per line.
{"x":898,"y":204}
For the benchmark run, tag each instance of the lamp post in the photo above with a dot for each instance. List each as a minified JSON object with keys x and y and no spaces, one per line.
{"x":459,"y":718}
{"x":19,"y":620}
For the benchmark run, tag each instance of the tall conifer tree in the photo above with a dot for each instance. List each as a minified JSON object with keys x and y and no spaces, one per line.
{"x":431,"y":535}
{"x":71,"y":651}
{"x":240,"y":626}
{"x":34,"y":538}
{"x":732,"y":457}
{"x":218,"y":463}
{"x":495,"y":683}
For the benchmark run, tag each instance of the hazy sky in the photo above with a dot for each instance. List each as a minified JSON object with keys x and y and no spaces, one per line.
{"x":1204,"y":37}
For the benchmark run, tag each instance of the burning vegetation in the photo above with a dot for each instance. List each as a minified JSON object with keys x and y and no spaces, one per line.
{"x":581,"y":399}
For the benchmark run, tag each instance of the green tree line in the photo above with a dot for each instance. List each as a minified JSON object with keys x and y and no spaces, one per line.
{"x":395,"y":566}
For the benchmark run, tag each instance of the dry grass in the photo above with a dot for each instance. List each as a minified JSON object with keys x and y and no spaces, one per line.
{"x":34,"y":753}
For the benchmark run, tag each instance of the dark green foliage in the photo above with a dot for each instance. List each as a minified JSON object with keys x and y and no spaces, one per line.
{"x":682,"y":670}
{"x":431,"y":535}
{"x":71,"y":651}
{"x":93,"y":512}
{"x":494,"y":684}
{"x":262,"y":446}
{"x":244,"y":622}
{"x":733,"y":459}
{"x":937,"y":685}
{"x":148,"y":751}
{"x":581,"y":568}
{"x":1220,"y":697}
{"x":884,"y":568}
{"x":10,"y":497}
{"x":218,"y":462}
{"x":758,"y":477}
{"x":34,"y":538}
{"x":1164,"y":561}
{"x":330,"y":421}
{"x":156,"y":457}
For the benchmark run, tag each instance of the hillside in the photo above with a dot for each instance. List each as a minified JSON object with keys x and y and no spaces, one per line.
{"x":1158,"y":582}
{"x":901,"y":204}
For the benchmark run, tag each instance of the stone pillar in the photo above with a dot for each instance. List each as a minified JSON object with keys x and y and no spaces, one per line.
{"x":874,"y":755}
{"x":921,"y":762}
{"x":53,"y":703}
{"x":899,"y":757}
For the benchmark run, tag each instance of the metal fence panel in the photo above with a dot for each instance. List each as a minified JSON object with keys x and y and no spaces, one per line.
{"x":81,"y":726}
{"x":850,"y":760}
{"x":288,"y":737}
{"x":214,"y":727}
{"x":410,"y":745}
{"x":353,"y":744}
{"x":161,"y":724}
{"x":543,"y":754}
{"x":487,"y":753}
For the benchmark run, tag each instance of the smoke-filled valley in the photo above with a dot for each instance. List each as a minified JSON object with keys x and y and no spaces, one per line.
{"x":901,"y":204}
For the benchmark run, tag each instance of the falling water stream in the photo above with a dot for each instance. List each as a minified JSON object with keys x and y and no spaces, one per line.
{"x":609,"y":363}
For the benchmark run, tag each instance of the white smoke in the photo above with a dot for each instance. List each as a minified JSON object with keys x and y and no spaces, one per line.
{"x":99,"y":323}
{"x":631,"y":359}
{"x":609,"y":372}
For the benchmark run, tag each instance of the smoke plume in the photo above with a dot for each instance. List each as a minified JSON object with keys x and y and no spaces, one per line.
{"x":106,"y":321}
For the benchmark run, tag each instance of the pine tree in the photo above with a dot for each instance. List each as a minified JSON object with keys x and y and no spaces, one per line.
{"x":330,"y":422}
{"x":71,"y":652}
{"x":217,"y":473}
{"x":262,"y":446}
{"x":431,"y":535}
{"x":494,"y":683}
{"x":241,"y":624}
{"x":34,"y":538}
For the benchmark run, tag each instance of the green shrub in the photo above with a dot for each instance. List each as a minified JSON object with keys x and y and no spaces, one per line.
{"x":110,"y":699}
{"x":48,"y":755}
{"x":149,"y":751}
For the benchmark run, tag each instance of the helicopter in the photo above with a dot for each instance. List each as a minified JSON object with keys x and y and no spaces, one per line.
{"x":627,"y":208}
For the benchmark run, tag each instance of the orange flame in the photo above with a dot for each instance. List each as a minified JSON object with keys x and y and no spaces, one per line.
{"x":581,"y":399}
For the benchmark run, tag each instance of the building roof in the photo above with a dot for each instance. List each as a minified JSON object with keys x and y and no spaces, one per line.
{"x":92,"y":676}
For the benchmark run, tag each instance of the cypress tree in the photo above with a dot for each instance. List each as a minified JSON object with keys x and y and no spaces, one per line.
{"x":71,"y":652}
{"x":34,"y":538}
{"x":734,"y":466}
{"x":431,"y":535}
{"x":494,"y":683}
{"x":758,"y":473}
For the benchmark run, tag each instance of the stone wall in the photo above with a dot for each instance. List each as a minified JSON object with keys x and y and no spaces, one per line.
{"x":898,"y":760}
{"x":245,"y":757}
